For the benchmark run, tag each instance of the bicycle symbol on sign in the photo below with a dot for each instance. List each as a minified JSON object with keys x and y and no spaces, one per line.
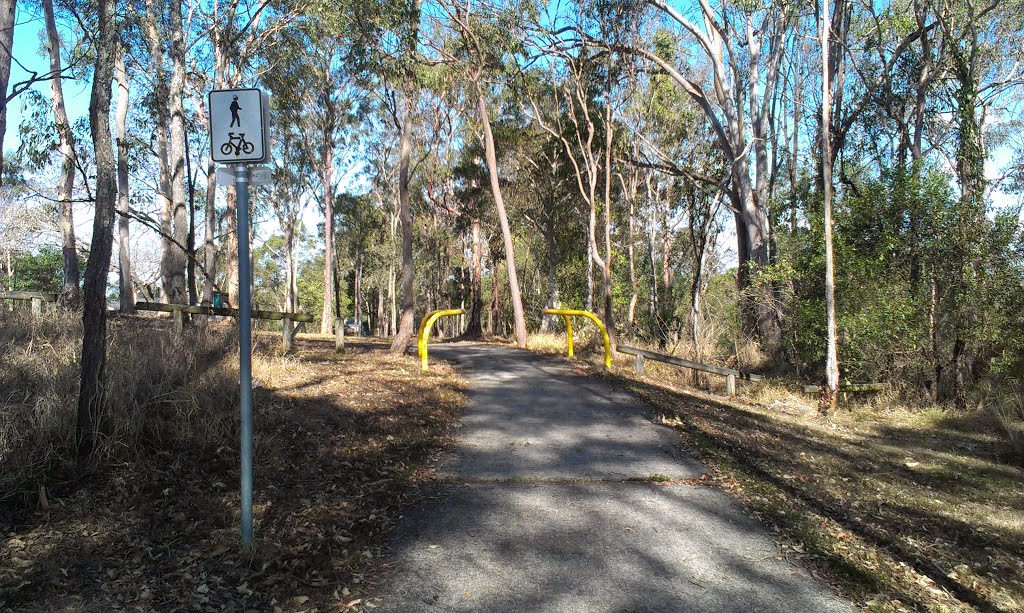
{"x":237,"y":145}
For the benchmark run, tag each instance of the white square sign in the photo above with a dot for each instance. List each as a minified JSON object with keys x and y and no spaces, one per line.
{"x":239,"y":126}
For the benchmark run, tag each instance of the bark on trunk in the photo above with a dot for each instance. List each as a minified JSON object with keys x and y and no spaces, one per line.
{"x":210,"y":220}
{"x":70,"y":295}
{"x":474,"y":329}
{"x":548,"y":323}
{"x":830,"y":395}
{"x":519,"y":317}
{"x":380,"y":312}
{"x":494,"y":308}
{"x":126,"y":289}
{"x":176,"y":158}
{"x":357,"y":293}
{"x":406,"y":324}
{"x":94,"y":319}
{"x":327,"y":178}
{"x":635,"y":295}
{"x":7,"y":11}
{"x":163,"y":191}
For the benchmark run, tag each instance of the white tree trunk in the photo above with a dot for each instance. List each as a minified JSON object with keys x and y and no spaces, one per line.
{"x":127,"y":290}
{"x":831,"y":359}
{"x":66,"y":185}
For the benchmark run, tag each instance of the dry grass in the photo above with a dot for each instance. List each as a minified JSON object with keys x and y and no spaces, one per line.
{"x":901,"y":508}
{"x":162,"y":391}
{"x":342,"y":444}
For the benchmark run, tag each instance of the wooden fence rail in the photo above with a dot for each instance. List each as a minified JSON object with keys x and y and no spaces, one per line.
{"x":287,"y":319}
{"x":730,"y":374}
{"x":849,"y":387}
{"x":37,"y":298}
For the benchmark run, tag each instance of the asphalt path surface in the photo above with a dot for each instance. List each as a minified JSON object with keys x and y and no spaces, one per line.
{"x":549,"y":505}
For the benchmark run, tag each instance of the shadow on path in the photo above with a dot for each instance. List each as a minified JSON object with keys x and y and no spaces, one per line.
{"x":543,"y":510}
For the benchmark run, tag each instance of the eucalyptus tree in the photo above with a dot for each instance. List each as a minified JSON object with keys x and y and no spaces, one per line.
{"x":8,"y":9}
{"x":742,"y":48}
{"x":403,"y":71}
{"x":480,"y":49}
{"x":66,"y":185}
{"x":289,"y":197}
{"x":830,"y":392}
{"x":126,"y":288}
{"x":94,"y":319}
{"x":591,"y":85}
{"x":973,"y":36}
{"x":232,"y":44}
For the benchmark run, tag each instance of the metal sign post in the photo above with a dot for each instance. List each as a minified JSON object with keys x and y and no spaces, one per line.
{"x":239,"y":136}
{"x":245,"y":347}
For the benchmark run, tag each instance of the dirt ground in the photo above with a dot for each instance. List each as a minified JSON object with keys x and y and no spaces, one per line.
{"x":900,"y":509}
{"x":342,"y":444}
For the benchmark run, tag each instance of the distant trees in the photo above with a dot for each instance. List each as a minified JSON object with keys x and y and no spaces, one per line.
{"x":633,"y":157}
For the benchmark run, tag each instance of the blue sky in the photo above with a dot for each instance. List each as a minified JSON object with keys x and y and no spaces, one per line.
{"x":28,"y":53}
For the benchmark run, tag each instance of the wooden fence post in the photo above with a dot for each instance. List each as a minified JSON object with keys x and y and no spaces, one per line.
{"x":638,"y":366}
{"x":730,"y":386}
{"x":179,"y":322}
{"x":37,"y":307}
{"x":339,"y":335}
{"x":287,"y":334}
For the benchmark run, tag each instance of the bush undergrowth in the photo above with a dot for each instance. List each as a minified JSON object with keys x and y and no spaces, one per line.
{"x":163,"y":391}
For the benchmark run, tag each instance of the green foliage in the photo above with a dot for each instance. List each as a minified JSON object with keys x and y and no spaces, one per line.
{"x":41,"y":271}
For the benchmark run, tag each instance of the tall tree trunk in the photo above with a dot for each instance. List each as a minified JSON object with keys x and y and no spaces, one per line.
{"x":7,"y":11}
{"x":970,"y":222}
{"x":519,"y":317}
{"x":94,"y":318}
{"x":357,"y":293}
{"x":291,"y":283}
{"x":327,"y":178}
{"x":176,"y":157}
{"x":652,"y":256}
{"x":392,"y":301}
{"x":758,"y":313}
{"x":163,"y":192}
{"x":794,"y":157}
{"x":221,"y":63}
{"x":231,"y":244}
{"x":606,"y":269}
{"x":474,"y":329}
{"x":635,"y":295}
{"x":70,"y":295}
{"x":406,"y":324}
{"x":696,"y":293}
{"x":494,"y":308}
{"x":548,"y":322}
{"x":830,"y":395}
{"x":210,"y":219}
{"x":125,"y":286}
{"x":380,"y":313}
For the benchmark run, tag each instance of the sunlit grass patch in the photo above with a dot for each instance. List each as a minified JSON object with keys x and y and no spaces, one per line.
{"x":900,"y":508}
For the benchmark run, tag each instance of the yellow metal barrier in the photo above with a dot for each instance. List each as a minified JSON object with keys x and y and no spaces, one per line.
{"x":425,"y":325}
{"x":568,"y":314}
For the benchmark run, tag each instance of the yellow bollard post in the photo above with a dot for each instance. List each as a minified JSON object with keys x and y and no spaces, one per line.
{"x":566,"y":313}
{"x":568,"y":333}
{"x":425,"y":325}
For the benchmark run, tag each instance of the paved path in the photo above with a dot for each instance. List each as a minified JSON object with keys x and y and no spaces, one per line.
{"x":542,"y":514}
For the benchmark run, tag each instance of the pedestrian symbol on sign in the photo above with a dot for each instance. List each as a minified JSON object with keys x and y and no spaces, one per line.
{"x":234,"y":108}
